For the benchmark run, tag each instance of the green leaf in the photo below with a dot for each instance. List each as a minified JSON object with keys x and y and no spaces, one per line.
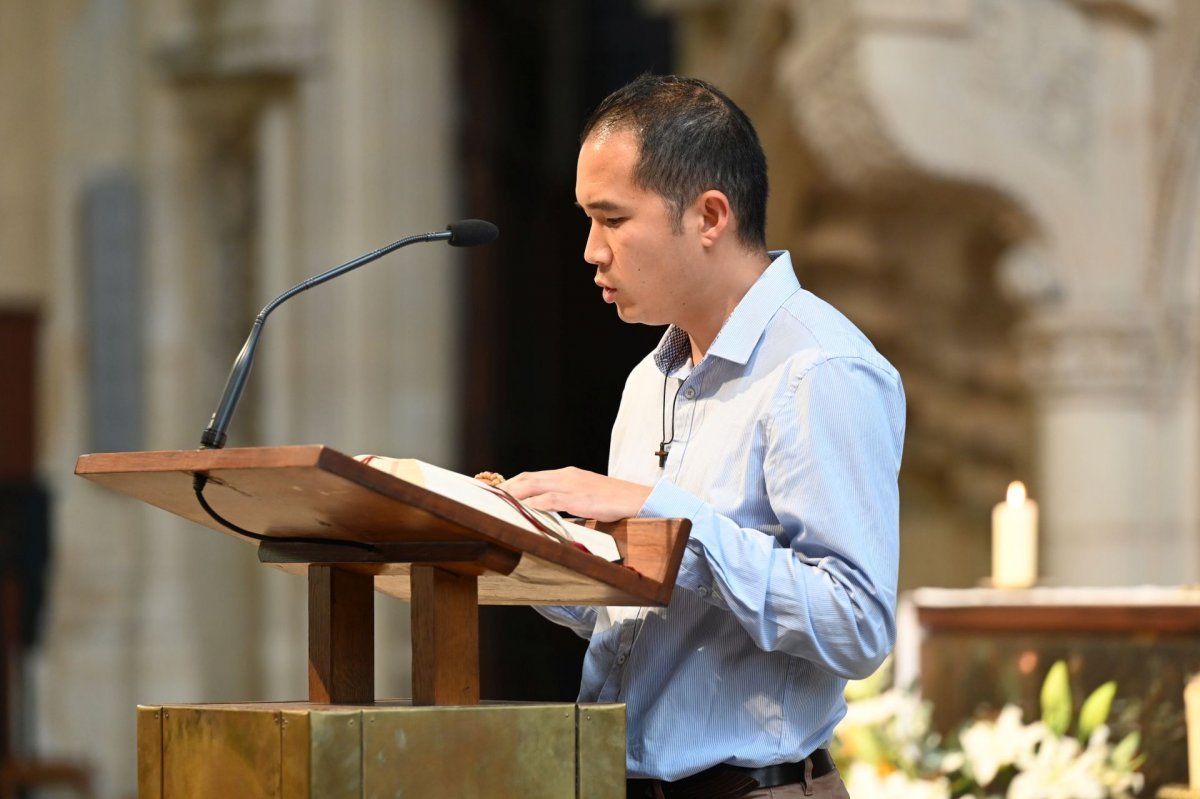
{"x":1095,"y":709}
{"x":1122,"y":753}
{"x":1056,"y":699}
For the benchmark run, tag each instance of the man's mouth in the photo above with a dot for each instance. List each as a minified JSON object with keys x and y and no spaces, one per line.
{"x":608,"y":292}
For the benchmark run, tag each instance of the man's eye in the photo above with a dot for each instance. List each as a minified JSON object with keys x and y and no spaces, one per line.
{"x":613,"y":221}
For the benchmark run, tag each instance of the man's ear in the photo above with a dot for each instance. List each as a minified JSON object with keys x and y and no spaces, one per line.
{"x":715,"y":215}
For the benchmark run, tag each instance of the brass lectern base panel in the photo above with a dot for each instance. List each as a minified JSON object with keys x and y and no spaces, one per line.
{"x":306,"y":751}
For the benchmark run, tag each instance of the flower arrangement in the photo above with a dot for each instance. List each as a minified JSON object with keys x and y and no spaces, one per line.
{"x":888,"y":751}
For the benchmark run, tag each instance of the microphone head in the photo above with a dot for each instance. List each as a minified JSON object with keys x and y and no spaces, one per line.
{"x":472,"y":232}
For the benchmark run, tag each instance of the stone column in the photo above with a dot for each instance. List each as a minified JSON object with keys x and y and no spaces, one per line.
{"x":1101,"y":397}
{"x":376,"y":352}
{"x":86,"y":668}
{"x":1100,"y":357}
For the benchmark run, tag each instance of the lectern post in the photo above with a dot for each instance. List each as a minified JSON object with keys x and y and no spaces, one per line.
{"x":341,"y":636}
{"x":445,"y":637}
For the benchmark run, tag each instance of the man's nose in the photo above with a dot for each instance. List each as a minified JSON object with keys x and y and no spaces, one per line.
{"x":596,"y":251}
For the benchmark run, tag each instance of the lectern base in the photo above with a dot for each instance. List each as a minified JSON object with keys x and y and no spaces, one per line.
{"x":307,"y":751}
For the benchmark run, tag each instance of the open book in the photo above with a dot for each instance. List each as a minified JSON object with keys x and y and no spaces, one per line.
{"x":495,"y":502}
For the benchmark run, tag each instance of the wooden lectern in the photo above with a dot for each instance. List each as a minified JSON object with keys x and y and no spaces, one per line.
{"x":445,"y":558}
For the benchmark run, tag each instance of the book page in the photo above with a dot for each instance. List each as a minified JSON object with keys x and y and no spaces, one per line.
{"x":469,"y":491}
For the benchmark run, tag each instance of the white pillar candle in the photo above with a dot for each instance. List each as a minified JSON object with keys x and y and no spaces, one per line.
{"x":1014,"y":540}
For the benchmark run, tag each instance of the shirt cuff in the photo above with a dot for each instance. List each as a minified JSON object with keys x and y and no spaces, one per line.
{"x":669,"y":501}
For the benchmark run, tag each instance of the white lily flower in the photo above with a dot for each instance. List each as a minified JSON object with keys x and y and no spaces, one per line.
{"x":1061,"y":769}
{"x":989,"y":746}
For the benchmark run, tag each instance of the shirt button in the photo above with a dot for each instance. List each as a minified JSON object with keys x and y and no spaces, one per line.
{"x":690,"y":393}
{"x":702,"y":591}
{"x":620,"y":660}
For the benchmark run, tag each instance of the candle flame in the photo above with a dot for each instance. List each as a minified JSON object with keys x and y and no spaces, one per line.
{"x":1016,"y":493}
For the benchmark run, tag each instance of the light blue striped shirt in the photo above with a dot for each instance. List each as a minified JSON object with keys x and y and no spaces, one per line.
{"x":787,"y":446}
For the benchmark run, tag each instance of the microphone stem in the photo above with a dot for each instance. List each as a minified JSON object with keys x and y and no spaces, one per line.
{"x":214,"y":435}
{"x":350,"y":266}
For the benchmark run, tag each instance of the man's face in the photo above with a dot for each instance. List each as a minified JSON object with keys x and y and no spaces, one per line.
{"x":641,"y":262}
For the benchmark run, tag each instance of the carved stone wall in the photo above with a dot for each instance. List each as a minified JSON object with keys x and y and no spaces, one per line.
{"x":1002,"y":193}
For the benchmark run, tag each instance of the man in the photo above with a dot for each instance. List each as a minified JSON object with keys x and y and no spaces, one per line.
{"x":779,"y":432}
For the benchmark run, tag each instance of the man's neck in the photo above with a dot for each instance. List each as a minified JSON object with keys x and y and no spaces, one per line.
{"x":731,"y":282}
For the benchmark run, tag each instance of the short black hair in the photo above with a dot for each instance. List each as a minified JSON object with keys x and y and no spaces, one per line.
{"x":692,"y":138}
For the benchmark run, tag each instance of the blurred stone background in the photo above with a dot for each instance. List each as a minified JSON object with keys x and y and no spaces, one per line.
{"x":1003,"y":194}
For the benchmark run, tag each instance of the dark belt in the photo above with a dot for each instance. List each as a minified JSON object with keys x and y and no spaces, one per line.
{"x":733,"y":781}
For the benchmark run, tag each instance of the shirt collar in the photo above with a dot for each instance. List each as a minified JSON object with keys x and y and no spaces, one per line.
{"x":744,"y":327}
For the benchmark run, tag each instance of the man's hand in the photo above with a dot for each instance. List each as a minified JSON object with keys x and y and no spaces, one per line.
{"x":579,"y":493}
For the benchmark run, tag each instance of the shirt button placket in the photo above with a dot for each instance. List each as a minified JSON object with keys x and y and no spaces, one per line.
{"x":684,"y":410}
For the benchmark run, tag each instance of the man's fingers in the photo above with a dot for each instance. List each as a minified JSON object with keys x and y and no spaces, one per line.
{"x":520,"y":486}
{"x":579,"y":493}
{"x":549,"y":501}
{"x":531,"y":484}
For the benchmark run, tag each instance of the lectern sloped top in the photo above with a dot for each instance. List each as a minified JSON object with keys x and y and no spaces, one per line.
{"x":312,"y":491}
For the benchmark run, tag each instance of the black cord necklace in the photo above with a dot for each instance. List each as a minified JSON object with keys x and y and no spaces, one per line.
{"x":665,"y":444}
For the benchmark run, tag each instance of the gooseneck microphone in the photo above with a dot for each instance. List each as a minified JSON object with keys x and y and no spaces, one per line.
{"x":464,"y":233}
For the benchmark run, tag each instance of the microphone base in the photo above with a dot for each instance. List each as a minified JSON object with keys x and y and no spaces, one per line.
{"x":211,"y":439}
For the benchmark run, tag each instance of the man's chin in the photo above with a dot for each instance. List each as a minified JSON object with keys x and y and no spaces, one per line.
{"x":631,"y":317}
{"x":639,"y":314}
